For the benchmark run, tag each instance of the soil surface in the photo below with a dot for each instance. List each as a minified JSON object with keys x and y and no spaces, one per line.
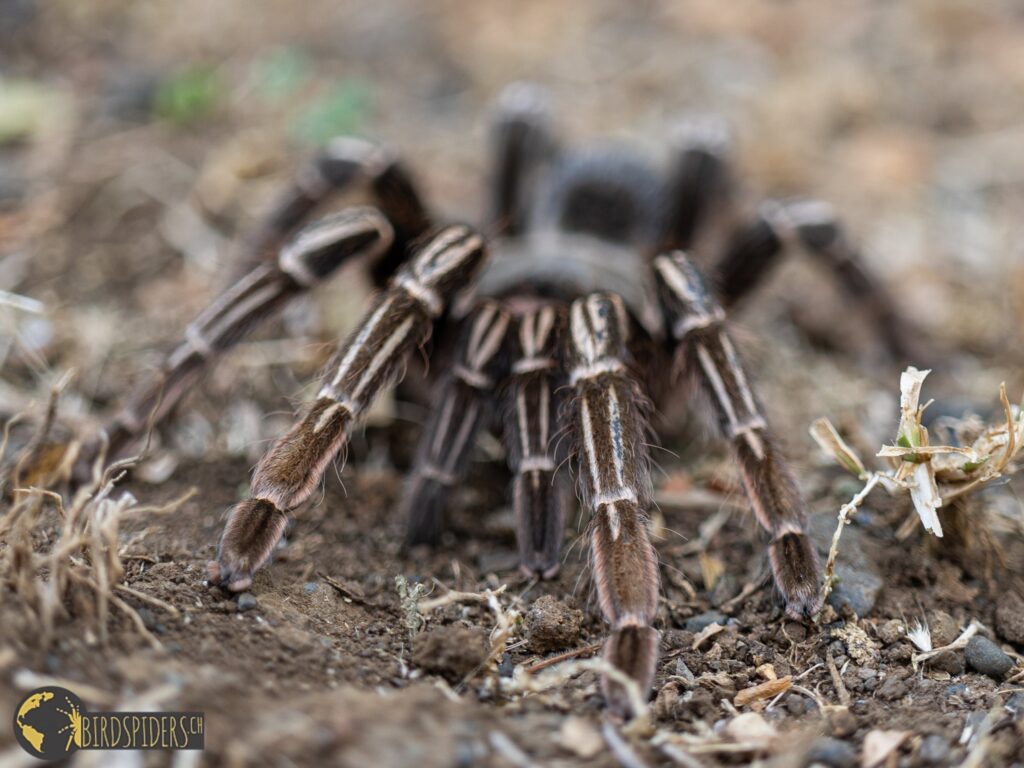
{"x":154,"y":136}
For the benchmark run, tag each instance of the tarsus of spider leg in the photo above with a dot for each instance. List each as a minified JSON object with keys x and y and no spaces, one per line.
{"x":462,"y":406}
{"x":311,"y":256}
{"x":343,"y":164}
{"x":812,"y":226}
{"x":707,"y":355}
{"x":370,"y":360}
{"x":608,"y":420}
{"x":530,"y":413}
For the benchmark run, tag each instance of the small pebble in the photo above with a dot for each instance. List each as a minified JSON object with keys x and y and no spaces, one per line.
{"x":246,"y":602}
{"x":986,"y":657}
{"x":833,"y":753}
{"x":891,"y":631}
{"x":506,"y":668}
{"x":892,"y":689}
{"x":934,"y":750}
{"x":704,"y":620}
{"x":842,"y":723}
{"x":310,"y":587}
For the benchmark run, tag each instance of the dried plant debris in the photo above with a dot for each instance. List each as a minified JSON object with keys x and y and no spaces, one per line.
{"x":78,"y":575}
{"x":933,"y":475}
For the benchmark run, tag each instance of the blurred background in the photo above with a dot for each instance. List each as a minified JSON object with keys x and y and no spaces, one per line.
{"x":138,"y":140}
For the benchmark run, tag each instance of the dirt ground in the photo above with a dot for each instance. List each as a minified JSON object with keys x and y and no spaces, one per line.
{"x":139,"y":142}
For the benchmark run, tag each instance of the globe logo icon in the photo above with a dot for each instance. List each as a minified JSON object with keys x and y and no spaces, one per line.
{"x":48,"y":723}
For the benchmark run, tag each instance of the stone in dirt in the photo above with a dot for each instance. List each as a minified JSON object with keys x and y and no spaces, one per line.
{"x":986,"y":657}
{"x":702,"y":620}
{"x":833,"y":753}
{"x":246,"y":602}
{"x":857,"y":583}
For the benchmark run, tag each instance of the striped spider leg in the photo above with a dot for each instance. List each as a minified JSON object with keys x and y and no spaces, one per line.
{"x":273,"y":271}
{"x":707,"y":356}
{"x":812,"y":226}
{"x":462,"y":404}
{"x":370,"y":360}
{"x":529,"y":422}
{"x":607,"y":416}
{"x":310,"y":257}
{"x":344,"y":164}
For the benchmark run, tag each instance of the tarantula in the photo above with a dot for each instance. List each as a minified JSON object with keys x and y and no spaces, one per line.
{"x":572,"y":322}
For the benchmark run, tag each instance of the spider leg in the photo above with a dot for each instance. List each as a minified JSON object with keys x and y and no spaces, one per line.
{"x":461,"y":406}
{"x":372,"y":358}
{"x":706,"y":354}
{"x":811,"y":226}
{"x":699,"y":184}
{"x":521,"y":141}
{"x":344,"y":163}
{"x":529,"y":414}
{"x":310,"y":257}
{"x":607,"y":416}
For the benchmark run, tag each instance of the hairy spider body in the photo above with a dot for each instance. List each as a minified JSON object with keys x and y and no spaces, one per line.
{"x":567,"y":333}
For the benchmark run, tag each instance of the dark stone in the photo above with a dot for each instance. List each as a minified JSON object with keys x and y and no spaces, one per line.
{"x":246,"y":602}
{"x":986,"y":657}
{"x":833,"y":753}
{"x":702,"y":620}
{"x":893,"y":688}
{"x":506,"y":667}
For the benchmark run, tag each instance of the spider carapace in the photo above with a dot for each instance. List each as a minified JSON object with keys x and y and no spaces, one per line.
{"x":581,"y":314}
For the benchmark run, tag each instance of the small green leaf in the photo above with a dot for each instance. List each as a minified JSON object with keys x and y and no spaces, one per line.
{"x":188,"y":95}
{"x":342,"y":111}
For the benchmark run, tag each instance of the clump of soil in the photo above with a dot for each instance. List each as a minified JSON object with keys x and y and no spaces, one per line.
{"x":552,"y":625}
{"x":454,"y":652}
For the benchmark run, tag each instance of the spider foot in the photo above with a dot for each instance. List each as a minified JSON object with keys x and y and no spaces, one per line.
{"x":254,"y":526}
{"x":797,"y":576}
{"x":634,"y":651}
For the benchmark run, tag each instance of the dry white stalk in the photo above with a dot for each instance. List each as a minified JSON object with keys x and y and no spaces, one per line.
{"x":508,"y":749}
{"x":620,"y":748}
{"x":523,"y":682}
{"x":956,"y":645}
{"x":829,"y":440}
{"x":454,"y":596}
{"x":844,"y":518}
{"x":932,"y":474}
{"x":878,"y":745}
